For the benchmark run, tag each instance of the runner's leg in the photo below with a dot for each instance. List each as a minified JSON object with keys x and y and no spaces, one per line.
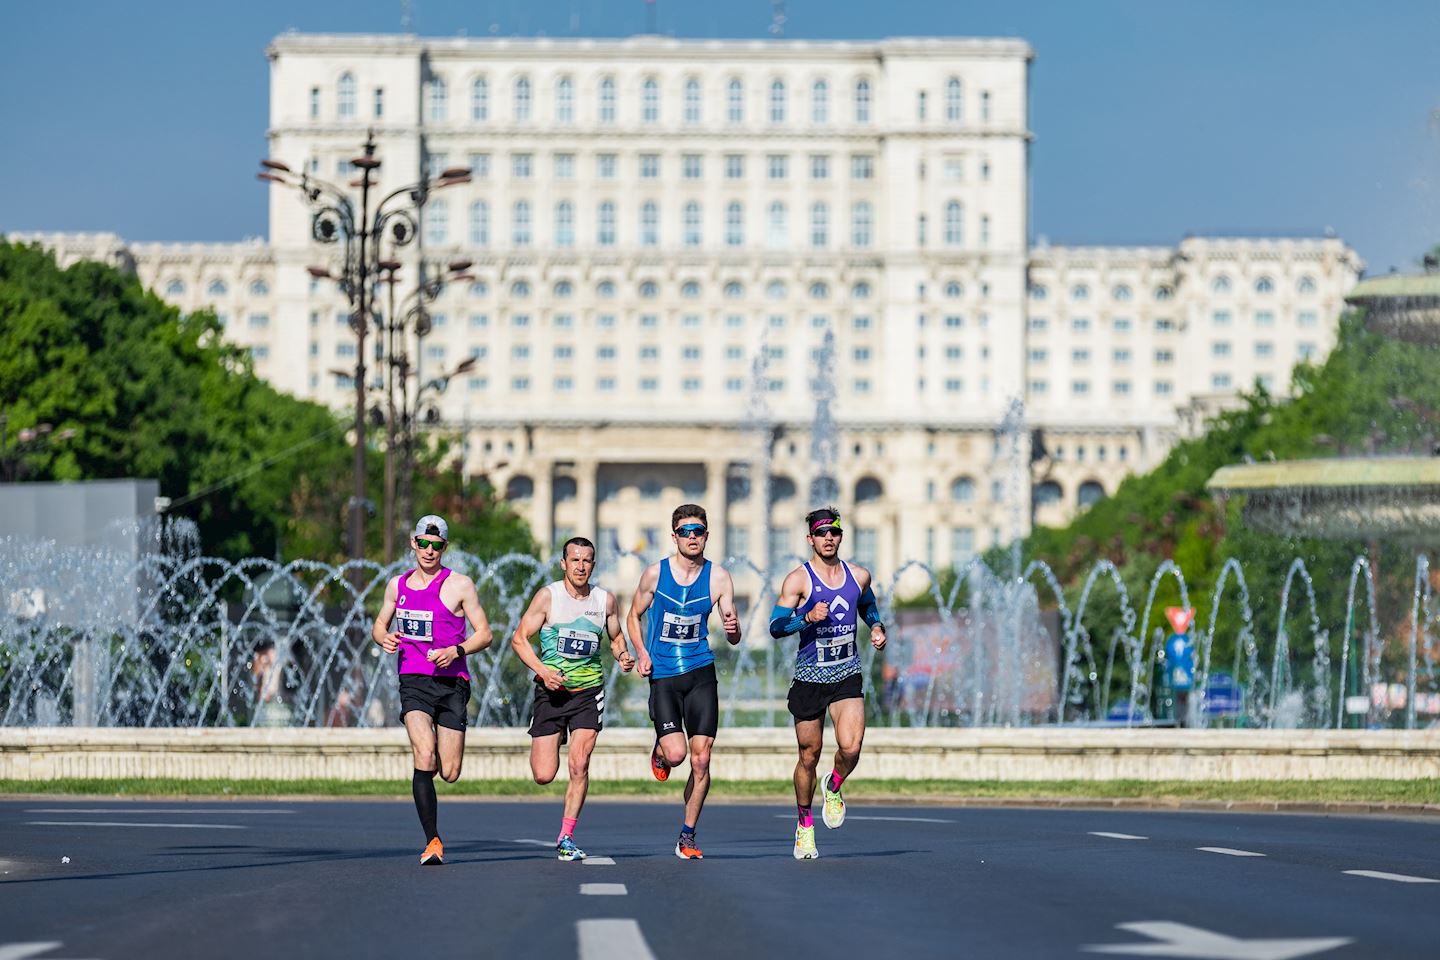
{"x":545,"y":757}
{"x":672,"y":748}
{"x":699,"y":783}
{"x":849,"y":719}
{"x":809,"y":735}
{"x":450,"y":745}
{"x":582,"y":742}
{"x":422,"y":784}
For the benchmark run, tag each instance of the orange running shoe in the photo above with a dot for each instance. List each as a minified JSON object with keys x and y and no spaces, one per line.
{"x":685,"y":848}
{"x":434,"y":854}
{"x":657,"y":764}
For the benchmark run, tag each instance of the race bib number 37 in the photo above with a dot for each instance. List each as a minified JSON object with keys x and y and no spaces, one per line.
{"x":832,"y":654}
{"x":680,"y":628}
{"x":414,"y":624}
{"x":576,"y":644}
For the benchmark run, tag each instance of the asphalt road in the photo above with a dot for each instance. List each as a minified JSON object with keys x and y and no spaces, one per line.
{"x":254,"y":880}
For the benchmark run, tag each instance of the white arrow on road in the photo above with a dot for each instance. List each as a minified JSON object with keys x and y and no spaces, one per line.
{"x":24,"y":951}
{"x":1181,"y":940}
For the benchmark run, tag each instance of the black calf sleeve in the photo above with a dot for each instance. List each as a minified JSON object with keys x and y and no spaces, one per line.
{"x":423,"y":786}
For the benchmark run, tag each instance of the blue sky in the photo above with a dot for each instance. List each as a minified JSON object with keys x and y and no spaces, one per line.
{"x":1153,"y":119}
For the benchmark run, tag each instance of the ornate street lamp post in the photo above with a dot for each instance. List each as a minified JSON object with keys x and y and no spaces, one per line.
{"x":360,"y":232}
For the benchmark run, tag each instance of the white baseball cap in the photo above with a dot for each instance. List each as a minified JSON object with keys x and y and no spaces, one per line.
{"x":432,"y":526}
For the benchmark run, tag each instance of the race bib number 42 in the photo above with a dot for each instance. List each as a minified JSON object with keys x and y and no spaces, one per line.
{"x":414,"y":624}
{"x":576,"y":644}
{"x":680,"y":628}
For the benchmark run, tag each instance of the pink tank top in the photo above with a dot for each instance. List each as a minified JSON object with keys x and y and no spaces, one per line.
{"x":424,"y":622}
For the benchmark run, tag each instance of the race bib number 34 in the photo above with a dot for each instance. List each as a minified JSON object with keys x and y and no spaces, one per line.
{"x":576,"y":644}
{"x":414,"y":624}
{"x":680,"y":628}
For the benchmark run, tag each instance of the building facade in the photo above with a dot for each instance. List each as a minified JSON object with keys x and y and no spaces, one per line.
{"x":700,"y":268}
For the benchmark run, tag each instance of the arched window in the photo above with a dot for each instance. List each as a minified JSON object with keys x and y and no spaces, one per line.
{"x":1220,"y":284}
{"x":1047,"y":493}
{"x":605,"y":290}
{"x":649,"y":224}
{"x":605,"y":224}
{"x":1121,"y":293}
{"x":564,"y":225}
{"x":690,"y":290}
{"x":565,"y":488}
{"x":962,"y":490}
{"x":439,"y":99}
{"x":520,"y":487}
{"x":954,"y":223}
{"x":775,"y":290}
{"x":862,"y":100}
{"x":650,"y":100}
{"x":1079,"y":292}
{"x":437,"y":223}
{"x":692,"y":100}
{"x":1038,"y":292}
{"x":735,"y":100}
{"x":953,"y":290}
{"x":1305,"y":285}
{"x":734,"y":224}
{"x":607,"y":100}
{"x":522,"y":99}
{"x":868,"y":490}
{"x":259,"y":288}
{"x":861,"y":291}
{"x":954,"y":112}
{"x":1264,"y":286}
{"x":1091,"y":492}
{"x":734,"y":290}
{"x":819,"y":224}
{"x":649,"y":290}
{"x":479,"y":289}
{"x":820,"y":102}
{"x":564,"y":289}
{"x":1163,"y":293}
{"x":345,"y":96}
{"x":777,"y":101}
{"x":175,"y":288}
{"x":781,"y":488}
{"x":692,"y":224}
{"x":819,"y":290}
{"x":565,"y":101}
{"x":217,"y":288}
{"x":480,"y":224}
{"x":520,"y":289}
{"x":861,"y":219}
{"x":480,"y":99}
{"x":520,"y":224}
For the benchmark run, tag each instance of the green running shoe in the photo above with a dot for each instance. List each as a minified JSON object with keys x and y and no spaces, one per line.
{"x":834,"y":814}
{"x":805,"y":844}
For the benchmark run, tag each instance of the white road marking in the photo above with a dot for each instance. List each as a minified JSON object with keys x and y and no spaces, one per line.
{"x":852,"y":816}
{"x":1181,"y":940}
{"x":1397,"y":877}
{"x":223,"y":811}
{"x":603,"y":889}
{"x":1230,"y":851}
{"x":1116,"y":836}
{"x":600,"y":861}
{"x":536,"y":843}
{"x":120,"y":823}
{"x":21,"y":951}
{"x":612,"y":940}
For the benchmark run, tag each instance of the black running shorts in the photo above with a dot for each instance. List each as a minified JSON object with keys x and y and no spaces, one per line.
{"x":807,"y":701}
{"x":444,"y":699}
{"x":560,"y":711}
{"x":689,"y":701}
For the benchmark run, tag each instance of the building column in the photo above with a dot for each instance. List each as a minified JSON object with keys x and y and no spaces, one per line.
{"x":542,"y":510}
{"x":717,"y":474}
{"x":586,"y":522}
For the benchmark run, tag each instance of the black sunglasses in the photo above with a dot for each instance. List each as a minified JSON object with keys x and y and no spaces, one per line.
{"x":424,"y":544}
{"x":691,"y":530}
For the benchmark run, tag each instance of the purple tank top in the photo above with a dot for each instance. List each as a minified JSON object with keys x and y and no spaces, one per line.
{"x":424,"y":622}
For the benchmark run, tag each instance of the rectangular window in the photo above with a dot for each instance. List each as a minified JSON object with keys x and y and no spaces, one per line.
{"x":1164,"y":387}
{"x":259,"y":321}
{"x":1220,"y":348}
{"x":1121,"y":324}
{"x":564,"y":384}
{"x":480,"y":166}
{"x":954,"y":168}
{"x":1264,"y":318}
{"x":1164,"y":356}
{"x":692,"y":166}
{"x":1307,"y":318}
{"x":734,"y":385}
{"x":861,"y":323}
{"x":479,"y":320}
{"x":777,"y":166}
{"x":1220,"y":381}
{"x":1038,"y":355}
{"x":564,"y":352}
{"x":734,"y":166}
{"x":820,"y":166}
{"x":1039,"y":323}
{"x":862,"y":385}
{"x":1220,"y":318}
{"x":605,"y":166}
{"x":379,"y":102}
{"x":1121,"y":356}
{"x":520,"y":384}
{"x":564,"y":166}
{"x":1080,"y":324}
{"x":605,"y":384}
{"x":649,"y":166}
{"x":1080,"y":387}
{"x":954,"y":321}
{"x":1164,"y":325}
{"x":1264,"y":349}
{"x":1038,"y":387}
{"x":520,"y":166}
{"x":1305,"y":351}
{"x":649,"y":320}
{"x":862,"y":166}
{"x":1121,"y":388}
{"x":606,"y":352}
{"x":690,"y":385}
{"x":649,"y":384}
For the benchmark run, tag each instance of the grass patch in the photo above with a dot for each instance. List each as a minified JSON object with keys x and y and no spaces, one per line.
{"x":1294,"y":791}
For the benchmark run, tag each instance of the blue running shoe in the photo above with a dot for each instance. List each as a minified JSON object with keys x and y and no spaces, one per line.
{"x":565,"y":849}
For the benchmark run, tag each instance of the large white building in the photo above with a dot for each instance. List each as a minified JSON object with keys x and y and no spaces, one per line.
{"x":671,"y":240}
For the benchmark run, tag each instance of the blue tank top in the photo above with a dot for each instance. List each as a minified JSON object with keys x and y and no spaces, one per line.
{"x":677,"y":630}
{"x":828,"y":649}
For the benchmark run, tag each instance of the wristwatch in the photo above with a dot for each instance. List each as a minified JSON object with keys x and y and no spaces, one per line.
{"x":460,"y":650}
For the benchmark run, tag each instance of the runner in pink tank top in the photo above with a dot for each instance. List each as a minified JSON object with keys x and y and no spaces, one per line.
{"x":429,"y":606}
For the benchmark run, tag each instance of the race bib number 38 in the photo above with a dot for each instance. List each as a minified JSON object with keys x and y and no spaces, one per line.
{"x":680,"y":628}
{"x":576,"y":644}
{"x":414,"y":624}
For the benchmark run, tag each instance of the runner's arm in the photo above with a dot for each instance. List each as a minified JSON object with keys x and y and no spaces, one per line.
{"x":724,"y":590}
{"x":481,"y":636}
{"x":531,"y":624}
{"x":786,"y":619}
{"x":639,"y":603}
{"x":617,"y":636}
{"x":870,"y":608}
{"x":380,"y":629}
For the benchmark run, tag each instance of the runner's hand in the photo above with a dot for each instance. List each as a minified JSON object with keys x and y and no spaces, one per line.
{"x":731,"y":624}
{"x":442,"y":657}
{"x":643,"y":665}
{"x":552,"y":679}
{"x":627,"y":662}
{"x":877,"y":637}
{"x":822,"y":608}
{"x":390,"y":642}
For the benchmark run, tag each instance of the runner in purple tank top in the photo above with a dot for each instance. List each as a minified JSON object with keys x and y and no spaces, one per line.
{"x":824,"y":601}
{"x":429,"y":606}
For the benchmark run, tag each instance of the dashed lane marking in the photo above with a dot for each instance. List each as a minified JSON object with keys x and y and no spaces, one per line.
{"x":223,"y":811}
{"x":612,"y":940}
{"x":1116,"y":836}
{"x":121,"y":823}
{"x":599,"y":861}
{"x":536,"y":843}
{"x":603,"y":889}
{"x":1397,"y":877}
{"x":853,"y":816}
{"x":1230,"y":851}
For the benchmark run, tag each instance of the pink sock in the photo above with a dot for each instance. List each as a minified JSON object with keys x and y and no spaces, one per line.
{"x":805,"y":820}
{"x":567,"y":827}
{"x":835,"y":780}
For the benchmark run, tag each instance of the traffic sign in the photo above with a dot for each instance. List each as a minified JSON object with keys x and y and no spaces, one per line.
{"x":1223,"y":696}
{"x":1180,"y":618}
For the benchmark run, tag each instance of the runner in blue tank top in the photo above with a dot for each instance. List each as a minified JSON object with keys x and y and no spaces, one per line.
{"x":824,"y":601}
{"x":673,"y":650}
